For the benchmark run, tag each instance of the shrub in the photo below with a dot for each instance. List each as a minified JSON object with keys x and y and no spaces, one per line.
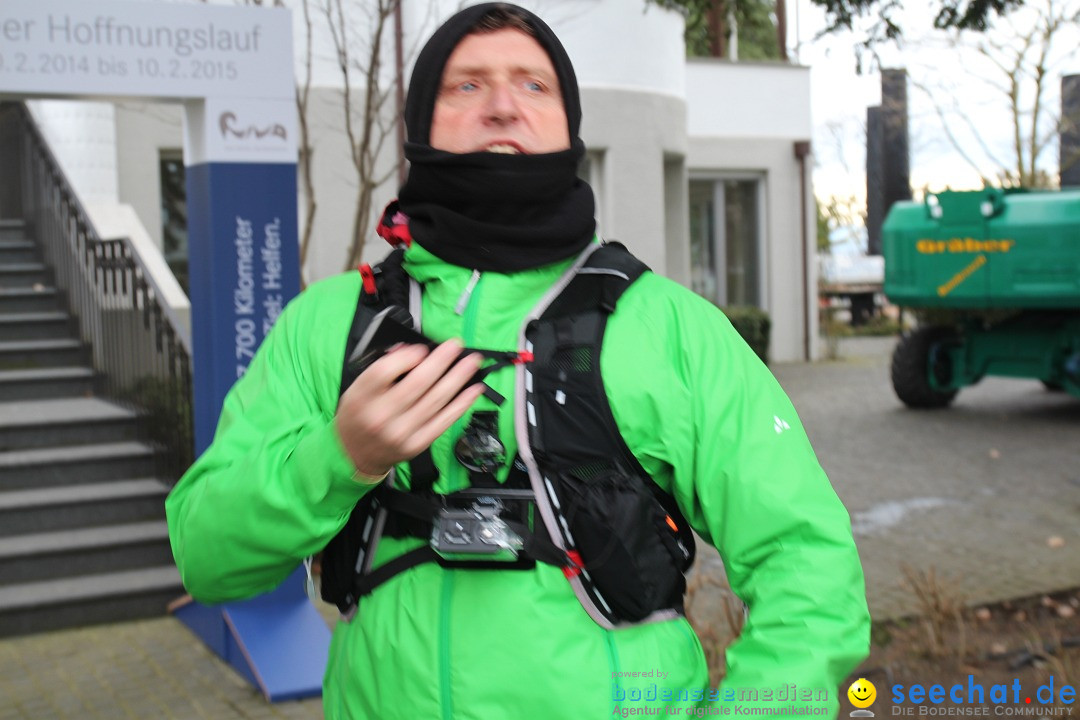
{"x":168,"y":420}
{"x":753,"y":324}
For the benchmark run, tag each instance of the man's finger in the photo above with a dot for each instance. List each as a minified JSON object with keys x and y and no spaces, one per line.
{"x":443,"y":391}
{"x":424,"y":376}
{"x":384,"y":372}
{"x":446,"y":417}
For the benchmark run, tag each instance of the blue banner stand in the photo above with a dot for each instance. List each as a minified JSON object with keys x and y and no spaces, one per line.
{"x":278,"y":641}
{"x":244,"y":266}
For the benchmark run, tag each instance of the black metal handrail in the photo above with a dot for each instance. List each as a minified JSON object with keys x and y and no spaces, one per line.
{"x":137,"y":353}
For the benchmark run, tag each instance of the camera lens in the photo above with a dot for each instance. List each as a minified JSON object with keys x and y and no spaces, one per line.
{"x":479,"y":448}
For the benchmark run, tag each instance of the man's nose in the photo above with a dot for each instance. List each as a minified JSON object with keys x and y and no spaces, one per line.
{"x":502,"y":105}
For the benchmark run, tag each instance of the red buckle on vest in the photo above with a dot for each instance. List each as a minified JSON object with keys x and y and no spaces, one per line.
{"x":395,"y":235}
{"x":522,"y":358}
{"x":576,"y":564}
{"x":369,"y":279}
{"x":393,"y":227}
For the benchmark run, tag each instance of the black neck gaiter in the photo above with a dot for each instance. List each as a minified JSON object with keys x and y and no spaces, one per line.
{"x":489,"y":211}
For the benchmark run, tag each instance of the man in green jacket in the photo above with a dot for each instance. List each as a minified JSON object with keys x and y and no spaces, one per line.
{"x":495,"y":215}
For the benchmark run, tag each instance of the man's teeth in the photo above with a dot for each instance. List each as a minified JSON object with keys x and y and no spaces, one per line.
{"x":504,"y":149}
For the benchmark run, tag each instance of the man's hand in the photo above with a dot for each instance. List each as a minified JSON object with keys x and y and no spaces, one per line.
{"x":382,"y":420}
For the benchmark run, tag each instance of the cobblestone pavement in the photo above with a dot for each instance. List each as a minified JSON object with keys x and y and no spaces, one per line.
{"x":986,"y":493}
{"x":142,"y":670}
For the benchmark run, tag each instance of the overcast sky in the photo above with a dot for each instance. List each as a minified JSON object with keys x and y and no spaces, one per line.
{"x":957,"y":77}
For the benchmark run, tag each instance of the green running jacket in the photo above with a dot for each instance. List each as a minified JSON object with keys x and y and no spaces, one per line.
{"x":702,"y":414}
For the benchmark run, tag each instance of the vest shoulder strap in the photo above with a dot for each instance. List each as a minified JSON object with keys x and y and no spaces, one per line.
{"x":599,"y":283}
{"x":384,"y":285}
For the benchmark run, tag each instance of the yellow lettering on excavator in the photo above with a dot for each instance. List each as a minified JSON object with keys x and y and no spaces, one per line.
{"x":927,"y":246}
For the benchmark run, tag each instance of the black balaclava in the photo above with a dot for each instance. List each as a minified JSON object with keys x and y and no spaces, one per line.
{"x":490,"y":211}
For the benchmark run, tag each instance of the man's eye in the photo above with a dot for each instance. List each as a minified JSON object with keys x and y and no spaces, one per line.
{"x":534,"y":86}
{"x":468,"y":86}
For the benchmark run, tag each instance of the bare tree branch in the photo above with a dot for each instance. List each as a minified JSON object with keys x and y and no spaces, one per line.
{"x":950,"y":135}
{"x":303,"y":93}
{"x":1021,"y":57}
{"x":364,"y":127}
{"x":386,"y":176}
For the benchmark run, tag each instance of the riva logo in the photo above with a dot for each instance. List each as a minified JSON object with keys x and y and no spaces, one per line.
{"x":232,"y":128}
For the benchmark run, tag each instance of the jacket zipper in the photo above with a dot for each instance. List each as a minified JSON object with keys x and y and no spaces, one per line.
{"x":613,"y":659}
{"x":463,"y":301}
{"x":468,"y":305}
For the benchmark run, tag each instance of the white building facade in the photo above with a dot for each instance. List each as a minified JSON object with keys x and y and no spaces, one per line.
{"x":699,"y":166}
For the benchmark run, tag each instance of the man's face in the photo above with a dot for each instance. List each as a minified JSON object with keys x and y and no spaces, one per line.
{"x":499,"y":93}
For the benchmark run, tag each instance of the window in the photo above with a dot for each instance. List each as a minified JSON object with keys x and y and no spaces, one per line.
{"x":591,"y":170}
{"x":725,"y":240}
{"x":174,"y":238}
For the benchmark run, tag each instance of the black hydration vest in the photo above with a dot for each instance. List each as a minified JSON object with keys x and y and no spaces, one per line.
{"x":575,"y":494}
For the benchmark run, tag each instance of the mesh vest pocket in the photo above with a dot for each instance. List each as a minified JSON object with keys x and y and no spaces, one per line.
{"x":629,"y":546}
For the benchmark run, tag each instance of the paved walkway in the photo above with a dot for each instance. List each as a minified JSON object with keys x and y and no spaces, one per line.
{"x":146,"y":670}
{"x":987,"y":494}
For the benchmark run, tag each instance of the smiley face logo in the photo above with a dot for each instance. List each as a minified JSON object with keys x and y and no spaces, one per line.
{"x":862,"y":693}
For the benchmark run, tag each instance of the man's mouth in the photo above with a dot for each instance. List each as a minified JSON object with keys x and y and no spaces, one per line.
{"x":503,"y":149}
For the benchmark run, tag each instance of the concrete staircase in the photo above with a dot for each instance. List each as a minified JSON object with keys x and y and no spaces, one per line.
{"x":82,"y":530}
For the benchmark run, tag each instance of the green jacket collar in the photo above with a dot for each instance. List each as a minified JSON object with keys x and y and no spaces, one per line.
{"x":426,"y":268}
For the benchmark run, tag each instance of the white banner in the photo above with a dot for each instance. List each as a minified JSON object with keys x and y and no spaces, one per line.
{"x":240,"y":131}
{"x":144,"y":49}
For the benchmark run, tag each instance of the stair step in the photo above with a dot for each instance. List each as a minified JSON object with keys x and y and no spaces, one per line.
{"x":83,"y":537}
{"x":12,"y":230}
{"x":80,"y":601}
{"x":49,"y":325}
{"x":65,"y":421}
{"x":44,"y":383}
{"x":51,"y":467}
{"x":28,"y":299}
{"x":18,"y":251}
{"x":68,"y":553}
{"x":28,"y":275}
{"x":23,"y":354}
{"x":81,"y":506}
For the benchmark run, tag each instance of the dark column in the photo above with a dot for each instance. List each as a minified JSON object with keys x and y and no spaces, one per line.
{"x":894,"y":136}
{"x":875,"y":184}
{"x":1070,"y":131}
{"x":11,"y":138}
{"x":888,"y":176}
